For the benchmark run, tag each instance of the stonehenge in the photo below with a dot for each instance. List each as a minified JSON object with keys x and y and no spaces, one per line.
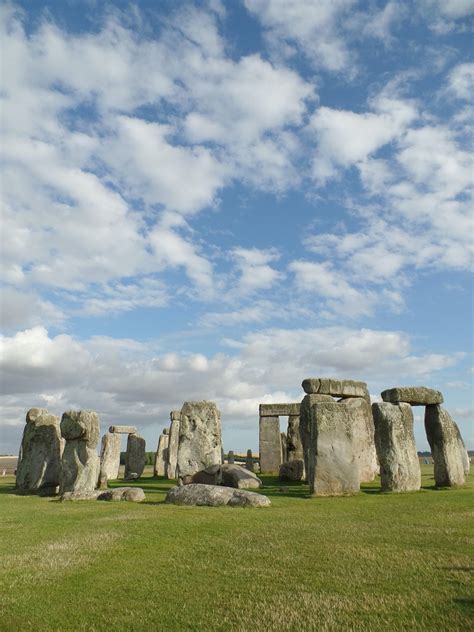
{"x":335,"y":440}
{"x":39,"y":460}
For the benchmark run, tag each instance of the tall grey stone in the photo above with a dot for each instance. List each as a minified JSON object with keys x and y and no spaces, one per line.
{"x":161,"y":455}
{"x":110,"y":456}
{"x":413,"y":395}
{"x":284,"y":450}
{"x":332,"y":466}
{"x":270,"y":445}
{"x":463,"y":450}
{"x":294,"y":446}
{"x":396,"y":449}
{"x":363,"y":437}
{"x":249,"y":461}
{"x":305,"y":417}
{"x":38,"y":466}
{"x":173,"y":445}
{"x":135,"y":457}
{"x":79,"y":462}
{"x":443,"y":438}
{"x":230,"y":457}
{"x":200,"y":438}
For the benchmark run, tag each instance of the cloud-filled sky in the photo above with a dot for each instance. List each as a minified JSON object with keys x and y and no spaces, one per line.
{"x":216,"y":199}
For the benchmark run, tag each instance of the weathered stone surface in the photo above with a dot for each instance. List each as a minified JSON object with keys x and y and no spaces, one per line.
{"x":269,"y":445}
{"x":161,"y":456}
{"x":131,"y":476}
{"x":332,"y":466}
{"x":215,"y":496}
{"x":249,"y":461}
{"x":284,"y":452}
{"x":396,"y":449}
{"x":135,"y":457}
{"x":38,"y":466}
{"x":229,"y":475}
{"x":166,"y":431}
{"x":80,"y":463}
{"x":277,"y":410}
{"x":336,"y":388}
{"x":363,"y":437}
{"x":123,"y":429}
{"x":110,"y":456}
{"x":230,"y":457}
{"x":294,"y":447}
{"x":103,"y":482}
{"x":466,"y":463}
{"x":291,"y":470}
{"x":129,"y":494}
{"x":305,"y":416}
{"x":200,"y":438}
{"x":444,"y":443}
{"x":173,"y":445}
{"x":413,"y":395}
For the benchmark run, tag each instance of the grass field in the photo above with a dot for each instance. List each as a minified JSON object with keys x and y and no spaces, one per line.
{"x":368,"y":562}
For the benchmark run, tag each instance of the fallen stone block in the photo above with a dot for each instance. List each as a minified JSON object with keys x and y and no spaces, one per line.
{"x":228,"y":475}
{"x":215,"y":496}
{"x":413,"y":395}
{"x":291,"y":470}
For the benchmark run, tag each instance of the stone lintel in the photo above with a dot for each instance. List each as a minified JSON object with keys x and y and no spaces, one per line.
{"x":123,"y":429}
{"x":413,"y":395}
{"x":277,"y":410}
{"x":336,"y":388}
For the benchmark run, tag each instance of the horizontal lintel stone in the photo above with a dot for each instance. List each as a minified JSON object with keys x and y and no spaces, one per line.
{"x":275,"y":410}
{"x":336,"y":388}
{"x":413,"y":395}
{"x":123,"y":429}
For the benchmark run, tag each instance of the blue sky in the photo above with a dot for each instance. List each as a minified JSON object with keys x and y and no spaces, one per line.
{"x":215,"y":200}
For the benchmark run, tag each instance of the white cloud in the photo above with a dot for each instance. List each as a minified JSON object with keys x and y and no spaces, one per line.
{"x":461,"y":82}
{"x":444,"y":16}
{"x":255,"y":273}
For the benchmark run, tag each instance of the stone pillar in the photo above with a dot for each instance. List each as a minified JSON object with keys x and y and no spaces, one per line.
{"x":294,"y":447}
{"x":80,"y":463}
{"x":444,"y":443}
{"x":161,"y":455}
{"x":249,"y":462}
{"x":230,"y":457}
{"x":284,"y":451}
{"x":269,"y":445}
{"x":200,"y":438}
{"x":332,"y":469}
{"x":364,"y":442}
{"x":173,"y":445}
{"x":135,"y":457}
{"x":110,"y":456}
{"x":396,"y":449}
{"x":304,"y":421}
{"x":39,"y":461}
{"x":464,"y":453}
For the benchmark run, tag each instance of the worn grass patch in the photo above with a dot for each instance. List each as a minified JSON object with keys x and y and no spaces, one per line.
{"x":369,"y":562}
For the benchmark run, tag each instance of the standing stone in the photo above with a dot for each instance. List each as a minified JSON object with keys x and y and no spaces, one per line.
{"x":463,"y":450}
{"x":284,"y":452}
{"x":294,"y":446}
{"x":396,"y":449}
{"x":230,"y":457}
{"x":38,"y":467}
{"x":173,"y":445}
{"x":110,"y":456}
{"x":363,"y":433}
{"x":161,"y":456}
{"x":270,"y":445}
{"x":304,"y":423}
{"x":200,"y":438}
{"x":249,"y":462}
{"x":444,"y":443}
{"x":135,"y":457}
{"x":332,"y":466}
{"x":80,"y":463}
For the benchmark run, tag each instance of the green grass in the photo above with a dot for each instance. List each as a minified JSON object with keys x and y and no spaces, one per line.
{"x":369,"y":562}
